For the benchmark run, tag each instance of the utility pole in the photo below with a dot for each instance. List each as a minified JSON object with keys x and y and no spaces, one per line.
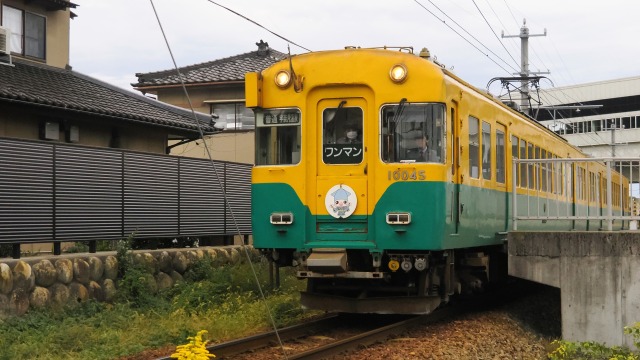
{"x":524,"y":62}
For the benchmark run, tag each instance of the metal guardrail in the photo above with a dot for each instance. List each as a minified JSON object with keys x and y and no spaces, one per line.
{"x":598,"y":189}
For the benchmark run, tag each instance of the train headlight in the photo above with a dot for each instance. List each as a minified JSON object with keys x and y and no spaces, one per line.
{"x":283,"y":79}
{"x":398,"y":73}
{"x":281,"y":218}
{"x":398,"y":218}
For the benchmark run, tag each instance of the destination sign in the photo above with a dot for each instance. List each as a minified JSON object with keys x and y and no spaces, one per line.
{"x":282,"y":118}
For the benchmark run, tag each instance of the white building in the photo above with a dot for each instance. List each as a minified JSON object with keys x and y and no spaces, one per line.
{"x":602,"y":118}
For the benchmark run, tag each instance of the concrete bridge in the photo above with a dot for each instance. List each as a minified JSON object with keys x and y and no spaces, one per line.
{"x":598,"y":274}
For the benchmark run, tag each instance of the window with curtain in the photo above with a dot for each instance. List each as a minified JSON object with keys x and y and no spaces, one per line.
{"x":28,"y":32}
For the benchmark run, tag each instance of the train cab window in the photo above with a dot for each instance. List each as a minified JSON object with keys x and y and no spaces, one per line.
{"x":342,"y":135}
{"x":474,"y":148}
{"x":486,"y":150}
{"x":413,"y":133}
{"x":500,"y":155}
{"x":278,"y":137}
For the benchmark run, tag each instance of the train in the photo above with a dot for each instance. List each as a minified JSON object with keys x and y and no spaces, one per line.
{"x":385,"y":179}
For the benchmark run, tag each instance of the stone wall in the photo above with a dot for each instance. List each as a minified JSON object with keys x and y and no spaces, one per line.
{"x":57,"y":281}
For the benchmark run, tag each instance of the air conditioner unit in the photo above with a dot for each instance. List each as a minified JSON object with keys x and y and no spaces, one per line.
{"x":5,"y":38}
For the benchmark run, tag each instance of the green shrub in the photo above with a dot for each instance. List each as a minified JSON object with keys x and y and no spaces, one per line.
{"x":591,"y":350}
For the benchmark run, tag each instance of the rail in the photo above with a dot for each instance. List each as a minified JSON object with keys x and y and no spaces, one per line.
{"x":580,"y":191}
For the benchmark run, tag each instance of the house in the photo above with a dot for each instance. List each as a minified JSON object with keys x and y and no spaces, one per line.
{"x":217,"y":88}
{"x":45,"y":105}
{"x":42,"y":98}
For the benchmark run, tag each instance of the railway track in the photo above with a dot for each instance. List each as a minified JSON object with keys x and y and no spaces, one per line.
{"x":370,"y":337}
{"x":234,"y":347}
{"x":371,"y":334}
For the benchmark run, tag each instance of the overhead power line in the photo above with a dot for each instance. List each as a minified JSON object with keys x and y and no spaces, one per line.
{"x":255,"y":23}
{"x":464,"y":38}
{"x":494,"y":33}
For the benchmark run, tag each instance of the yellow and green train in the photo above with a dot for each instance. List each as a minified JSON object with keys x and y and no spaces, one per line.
{"x":387,"y":180}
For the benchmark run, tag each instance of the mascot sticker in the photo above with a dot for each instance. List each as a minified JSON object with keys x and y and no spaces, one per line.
{"x":341,"y":201}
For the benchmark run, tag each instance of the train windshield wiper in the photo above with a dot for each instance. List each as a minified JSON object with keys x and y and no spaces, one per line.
{"x":398,"y":113}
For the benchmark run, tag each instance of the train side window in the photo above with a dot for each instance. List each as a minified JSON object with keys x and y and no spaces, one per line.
{"x":278,"y":137}
{"x":592,"y":186}
{"x":500,"y":155}
{"x":543,"y":165}
{"x":413,"y":133}
{"x":551,"y":173}
{"x":555,"y":167}
{"x":474,"y":148}
{"x":579,"y":183}
{"x":524,"y":174}
{"x":486,"y":150}
{"x":530,"y":167}
{"x":536,"y":169}
{"x":515,"y":155}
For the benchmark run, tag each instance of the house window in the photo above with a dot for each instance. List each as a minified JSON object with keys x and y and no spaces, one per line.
{"x":28,"y":31}
{"x":235,"y":116}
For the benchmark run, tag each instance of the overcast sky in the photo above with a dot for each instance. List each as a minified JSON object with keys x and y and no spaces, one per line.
{"x":587,"y":41}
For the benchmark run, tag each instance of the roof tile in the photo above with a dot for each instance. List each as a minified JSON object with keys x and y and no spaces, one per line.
{"x":40,"y":84}
{"x":227,"y":69}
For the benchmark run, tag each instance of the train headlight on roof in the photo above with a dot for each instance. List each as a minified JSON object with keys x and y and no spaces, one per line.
{"x":283,"y":79}
{"x":398,"y":73}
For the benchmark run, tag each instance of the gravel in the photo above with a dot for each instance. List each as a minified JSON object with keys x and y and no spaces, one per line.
{"x":522,"y":326}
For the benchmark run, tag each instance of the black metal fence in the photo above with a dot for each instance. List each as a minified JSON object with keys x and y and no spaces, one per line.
{"x":53,"y":192}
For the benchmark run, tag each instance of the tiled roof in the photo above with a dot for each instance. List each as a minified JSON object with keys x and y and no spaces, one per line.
{"x":228,"y":69}
{"x":57,"y":4}
{"x":43,"y":85}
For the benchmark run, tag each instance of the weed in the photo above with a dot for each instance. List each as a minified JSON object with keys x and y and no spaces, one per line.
{"x":591,"y":350}
{"x":224,"y":302}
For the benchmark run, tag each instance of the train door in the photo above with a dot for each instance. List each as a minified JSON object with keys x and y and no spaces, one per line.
{"x":341,"y":177}
{"x":455,"y":166}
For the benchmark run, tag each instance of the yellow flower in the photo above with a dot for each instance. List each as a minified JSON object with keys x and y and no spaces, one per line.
{"x":196,"y":349}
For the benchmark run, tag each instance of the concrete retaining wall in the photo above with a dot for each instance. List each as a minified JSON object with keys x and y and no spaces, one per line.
{"x":598,"y":274}
{"x":55,"y":281}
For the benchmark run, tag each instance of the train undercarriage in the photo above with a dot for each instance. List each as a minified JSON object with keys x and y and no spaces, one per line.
{"x":357,"y":281}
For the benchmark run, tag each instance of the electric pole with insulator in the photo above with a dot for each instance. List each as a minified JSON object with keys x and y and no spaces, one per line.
{"x":524,"y":63}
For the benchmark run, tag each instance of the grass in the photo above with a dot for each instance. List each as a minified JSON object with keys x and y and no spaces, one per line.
{"x":224,"y":301}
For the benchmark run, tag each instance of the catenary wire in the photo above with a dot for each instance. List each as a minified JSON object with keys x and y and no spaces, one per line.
{"x":224,"y":194}
{"x":494,"y":33}
{"x":465,"y":39}
{"x":501,"y":23}
{"x":255,"y":23}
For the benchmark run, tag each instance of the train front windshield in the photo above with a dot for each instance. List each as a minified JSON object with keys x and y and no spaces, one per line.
{"x":413,"y":133}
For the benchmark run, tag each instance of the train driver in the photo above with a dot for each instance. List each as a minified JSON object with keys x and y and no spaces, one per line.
{"x":351,"y":135}
{"x":421,"y":152}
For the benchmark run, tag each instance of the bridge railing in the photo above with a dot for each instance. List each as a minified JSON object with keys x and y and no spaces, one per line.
{"x":589,"y":190}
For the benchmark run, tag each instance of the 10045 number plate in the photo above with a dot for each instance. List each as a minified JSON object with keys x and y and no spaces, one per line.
{"x":406,"y":175}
